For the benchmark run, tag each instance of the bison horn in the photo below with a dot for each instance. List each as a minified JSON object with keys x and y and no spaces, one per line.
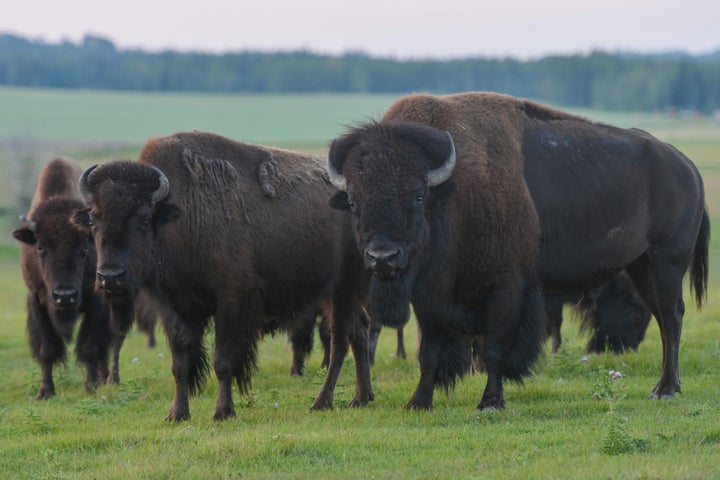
{"x":83,"y":183}
{"x":27,"y":223}
{"x":442,"y":173}
{"x":336,"y":178}
{"x":163,"y":189}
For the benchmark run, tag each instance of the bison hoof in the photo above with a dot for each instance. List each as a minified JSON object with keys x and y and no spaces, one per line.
{"x":321,"y":404}
{"x":415,"y":405}
{"x":491,"y":404}
{"x":178,"y":416}
{"x":361,"y":400}
{"x":113,"y":379}
{"x":224,"y":414}
{"x":45,"y":393}
{"x":664,"y":392}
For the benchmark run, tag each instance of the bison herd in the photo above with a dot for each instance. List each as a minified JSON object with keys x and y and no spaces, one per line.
{"x":483,"y":212}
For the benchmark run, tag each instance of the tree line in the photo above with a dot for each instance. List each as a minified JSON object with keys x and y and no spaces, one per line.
{"x":605,"y":80}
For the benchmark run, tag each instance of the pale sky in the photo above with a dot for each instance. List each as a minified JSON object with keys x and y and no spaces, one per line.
{"x":402,"y":29}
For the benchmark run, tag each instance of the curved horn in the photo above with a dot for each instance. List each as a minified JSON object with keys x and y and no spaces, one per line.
{"x":163,"y":189}
{"x":336,"y":178}
{"x":27,"y":223}
{"x":443,"y":172}
{"x":83,"y":183}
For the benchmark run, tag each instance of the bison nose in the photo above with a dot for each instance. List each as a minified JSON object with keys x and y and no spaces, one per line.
{"x":112,"y":278}
{"x":383,"y":259}
{"x":65,"y":297}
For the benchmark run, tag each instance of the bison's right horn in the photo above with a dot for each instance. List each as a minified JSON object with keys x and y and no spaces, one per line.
{"x":83,"y":183}
{"x":163,"y":189}
{"x":336,"y":178}
{"x":443,"y":172}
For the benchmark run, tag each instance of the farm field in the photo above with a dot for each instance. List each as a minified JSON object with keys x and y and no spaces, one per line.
{"x":571,"y":420}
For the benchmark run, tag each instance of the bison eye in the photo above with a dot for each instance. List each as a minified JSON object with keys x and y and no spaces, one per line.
{"x":40,"y":249}
{"x":419,"y":199}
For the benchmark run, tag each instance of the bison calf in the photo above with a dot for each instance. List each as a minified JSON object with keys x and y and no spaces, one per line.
{"x":58,"y":263}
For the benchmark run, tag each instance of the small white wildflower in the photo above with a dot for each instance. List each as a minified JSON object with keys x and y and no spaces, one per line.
{"x":611,"y":372}
{"x":161,"y":356}
{"x":135,"y":360}
{"x":584,"y":359}
{"x":276,"y":404}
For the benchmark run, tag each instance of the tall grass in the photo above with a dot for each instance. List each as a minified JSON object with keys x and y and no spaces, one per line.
{"x":571,"y":420}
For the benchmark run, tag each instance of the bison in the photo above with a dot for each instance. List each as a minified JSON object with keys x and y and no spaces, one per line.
{"x":445,"y":223}
{"x":58,"y":262}
{"x":615,"y":315}
{"x":211,"y":227}
{"x":606,"y":198}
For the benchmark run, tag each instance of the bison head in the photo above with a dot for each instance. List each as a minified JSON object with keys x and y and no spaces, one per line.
{"x":393,"y":178}
{"x":621,"y":318}
{"x":128,"y":204}
{"x":58,"y":258}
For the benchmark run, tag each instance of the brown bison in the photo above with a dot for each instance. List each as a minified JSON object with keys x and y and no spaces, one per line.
{"x":58,"y":263}
{"x":446,"y":223}
{"x":210,"y":227}
{"x":607,"y":199}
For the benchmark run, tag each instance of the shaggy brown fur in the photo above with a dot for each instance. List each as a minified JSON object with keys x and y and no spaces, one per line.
{"x":606,"y":199}
{"x":244,"y":235}
{"x":58,"y":264}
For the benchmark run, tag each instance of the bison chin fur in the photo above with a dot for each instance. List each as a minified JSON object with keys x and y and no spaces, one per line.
{"x":121,"y":312}
{"x":63,"y":321}
{"x":390,"y":300}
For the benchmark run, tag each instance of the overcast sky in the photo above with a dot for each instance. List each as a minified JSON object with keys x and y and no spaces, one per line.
{"x":396,"y":28}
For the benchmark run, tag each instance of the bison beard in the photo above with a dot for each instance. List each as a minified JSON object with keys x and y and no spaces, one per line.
{"x":390,"y":299}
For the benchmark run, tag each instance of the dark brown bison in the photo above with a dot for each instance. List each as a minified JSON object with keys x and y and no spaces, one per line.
{"x":616,"y":316}
{"x":58,"y":264}
{"x":210,"y":227}
{"x":446,"y":223}
{"x":607,"y":198}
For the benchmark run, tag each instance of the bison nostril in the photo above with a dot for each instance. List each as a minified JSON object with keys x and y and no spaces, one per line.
{"x":383,"y":258}
{"x":112,"y":278}
{"x":65,"y":296}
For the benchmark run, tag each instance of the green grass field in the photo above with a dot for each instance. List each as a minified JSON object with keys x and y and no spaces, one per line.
{"x":569,"y":421}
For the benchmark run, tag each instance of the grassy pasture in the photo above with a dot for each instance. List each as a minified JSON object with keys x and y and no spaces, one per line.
{"x":569,"y":421}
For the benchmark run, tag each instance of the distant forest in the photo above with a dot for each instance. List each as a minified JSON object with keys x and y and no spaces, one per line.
{"x":610,"y":81}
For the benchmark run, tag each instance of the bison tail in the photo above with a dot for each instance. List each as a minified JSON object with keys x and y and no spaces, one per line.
{"x":699,"y":265}
{"x":525,"y":350}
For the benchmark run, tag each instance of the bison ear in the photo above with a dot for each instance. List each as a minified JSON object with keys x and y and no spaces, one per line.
{"x":339,"y":201}
{"x":25,"y":234}
{"x":166,"y":213}
{"x":441,"y":193}
{"x":81,"y":218}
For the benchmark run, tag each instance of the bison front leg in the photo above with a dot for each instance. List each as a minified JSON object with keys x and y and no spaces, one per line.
{"x":343,"y":318}
{"x":428,"y":357}
{"x":236,"y":339}
{"x":361,"y":352}
{"x":47,"y":386}
{"x":113,"y":375}
{"x":180,"y":407}
{"x":93,"y":342}
{"x":338,"y":351}
{"x":494,"y":396}
{"x":46,"y":345}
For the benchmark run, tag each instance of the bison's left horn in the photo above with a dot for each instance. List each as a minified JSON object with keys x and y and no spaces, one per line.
{"x":163,"y":189}
{"x":83,"y":183}
{"x":27,"y":223}
{"x":442,"y":173}
{"x":336,"y":178}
